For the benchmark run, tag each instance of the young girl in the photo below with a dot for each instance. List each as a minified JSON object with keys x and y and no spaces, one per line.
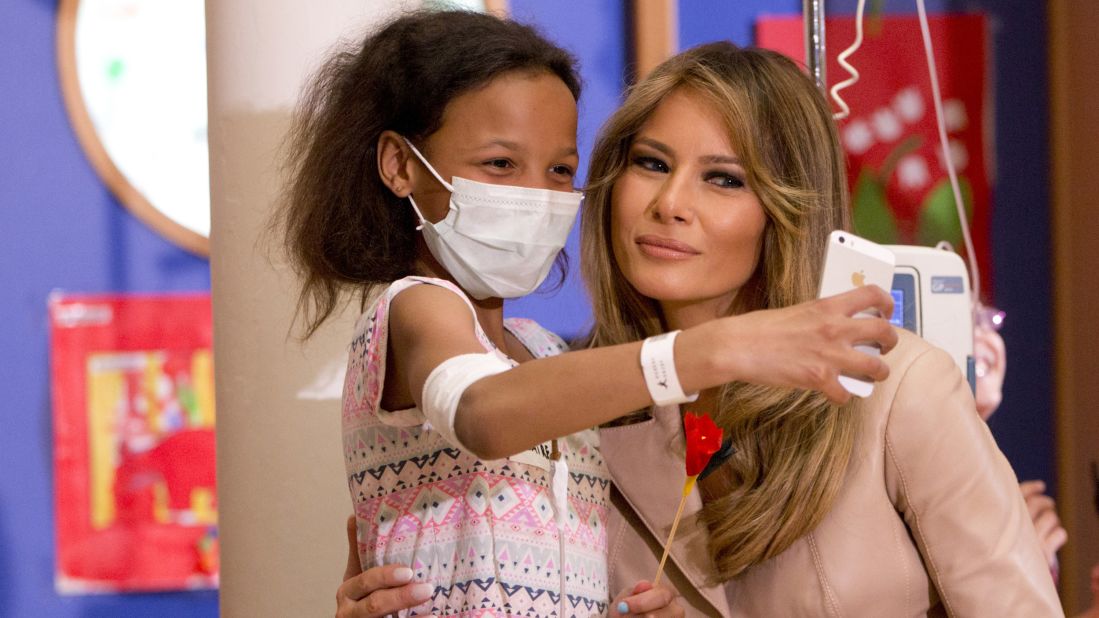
{"x":433,"y":167}
{"x":432,"y":171}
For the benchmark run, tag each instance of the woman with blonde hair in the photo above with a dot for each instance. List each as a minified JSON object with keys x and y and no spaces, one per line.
{"x":712,"y":193}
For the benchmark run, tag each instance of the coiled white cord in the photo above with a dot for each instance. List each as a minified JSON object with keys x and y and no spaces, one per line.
{"x":845,"y":111}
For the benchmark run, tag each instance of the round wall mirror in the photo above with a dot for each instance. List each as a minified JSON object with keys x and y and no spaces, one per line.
{"x":133,"y":76}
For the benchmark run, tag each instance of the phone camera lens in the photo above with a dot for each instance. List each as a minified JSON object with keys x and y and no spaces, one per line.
{"x":842,"y":239}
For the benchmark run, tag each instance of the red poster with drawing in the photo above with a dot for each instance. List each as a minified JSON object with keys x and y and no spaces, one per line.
{"x":899,"y":185}
{"x":133,"y":425}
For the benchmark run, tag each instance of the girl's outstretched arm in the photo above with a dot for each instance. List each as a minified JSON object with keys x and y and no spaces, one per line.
{"x":804,"y":346}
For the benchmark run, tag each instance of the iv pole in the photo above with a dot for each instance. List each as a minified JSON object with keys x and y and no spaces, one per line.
{"x":813,"y":14}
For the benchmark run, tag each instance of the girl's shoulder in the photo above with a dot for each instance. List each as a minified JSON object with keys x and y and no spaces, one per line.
{"x":367,"y":350}
{"x":401,"y":285}
{"x":384,"y":296}
{"x":378,"y":301}
{"x":540,"y":341}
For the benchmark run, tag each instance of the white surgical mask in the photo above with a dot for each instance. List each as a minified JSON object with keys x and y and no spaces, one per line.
{"x":498,"y":240}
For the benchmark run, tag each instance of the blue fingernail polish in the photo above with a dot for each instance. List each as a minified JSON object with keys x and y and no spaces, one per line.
{"x":623,"y":608}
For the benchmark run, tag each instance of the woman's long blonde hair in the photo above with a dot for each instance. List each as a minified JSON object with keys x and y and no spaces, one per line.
{"x":793,"y":446}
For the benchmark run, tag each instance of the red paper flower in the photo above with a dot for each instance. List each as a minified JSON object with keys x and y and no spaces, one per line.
{"x":703,"y":440}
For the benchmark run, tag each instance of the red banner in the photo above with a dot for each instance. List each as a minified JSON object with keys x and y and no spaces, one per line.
{"x":899,"y":185}
{"x":133,"y":424}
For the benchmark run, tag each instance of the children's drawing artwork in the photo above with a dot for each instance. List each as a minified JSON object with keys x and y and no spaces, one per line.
{"x":896,"y":171}
{"x":133,"y":420}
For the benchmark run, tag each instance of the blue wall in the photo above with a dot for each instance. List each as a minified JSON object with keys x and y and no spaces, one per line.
{"x":596,"y":33}
{"x":59,"y":229}
{"x":62,"y":229}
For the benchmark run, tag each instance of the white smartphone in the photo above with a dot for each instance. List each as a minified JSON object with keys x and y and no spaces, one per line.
{"x":851,"y":262}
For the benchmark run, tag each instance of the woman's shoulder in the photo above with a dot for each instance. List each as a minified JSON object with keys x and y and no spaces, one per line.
{"x":910,"y":347}
{"x":954,"y":488}
{"x":925,"y":397}
{"x":914,"y":359}
{"x":924,"y":384}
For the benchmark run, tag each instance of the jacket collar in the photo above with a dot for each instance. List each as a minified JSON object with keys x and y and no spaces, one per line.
{"x":646,"y":461}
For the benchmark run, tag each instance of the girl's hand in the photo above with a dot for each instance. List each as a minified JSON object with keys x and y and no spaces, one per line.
{"x":804,"y":346}
{"x":378,"y":591}
{"x":648,"y":601}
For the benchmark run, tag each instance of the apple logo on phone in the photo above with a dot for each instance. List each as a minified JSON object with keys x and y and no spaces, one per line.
{"x":858,"y":279}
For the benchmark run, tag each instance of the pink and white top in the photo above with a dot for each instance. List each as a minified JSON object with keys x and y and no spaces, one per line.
{"x":490,"y":535}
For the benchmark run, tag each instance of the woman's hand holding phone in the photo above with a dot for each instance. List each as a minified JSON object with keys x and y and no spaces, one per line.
{"x":850,"y":263}
{"x":810,"y":345}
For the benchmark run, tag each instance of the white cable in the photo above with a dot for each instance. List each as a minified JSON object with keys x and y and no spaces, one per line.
{"x":974,"y":270}
{"x":845,"y":111}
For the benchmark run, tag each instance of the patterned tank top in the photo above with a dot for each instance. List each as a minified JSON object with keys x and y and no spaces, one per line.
{"x":496,"y":538}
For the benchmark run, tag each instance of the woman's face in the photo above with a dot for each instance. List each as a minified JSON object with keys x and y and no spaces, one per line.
{"x":685,"y":226}
{"x":519,"y":129}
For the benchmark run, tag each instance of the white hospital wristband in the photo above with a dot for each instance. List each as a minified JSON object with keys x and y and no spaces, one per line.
{"x":658,"y":367}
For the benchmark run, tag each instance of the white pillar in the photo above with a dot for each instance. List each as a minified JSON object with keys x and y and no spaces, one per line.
{"x":281,"y":489}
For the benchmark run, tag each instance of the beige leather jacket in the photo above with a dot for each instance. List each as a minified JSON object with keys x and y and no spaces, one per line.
{"x":930,"y":519}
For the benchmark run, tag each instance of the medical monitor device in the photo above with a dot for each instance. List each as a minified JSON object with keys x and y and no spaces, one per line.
{"x":931,"y":296}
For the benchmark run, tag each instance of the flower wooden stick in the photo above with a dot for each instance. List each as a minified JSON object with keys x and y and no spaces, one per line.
{"x":703,"y":440}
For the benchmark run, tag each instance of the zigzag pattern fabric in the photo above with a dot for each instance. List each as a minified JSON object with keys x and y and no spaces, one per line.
{"x":484,"y":533}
